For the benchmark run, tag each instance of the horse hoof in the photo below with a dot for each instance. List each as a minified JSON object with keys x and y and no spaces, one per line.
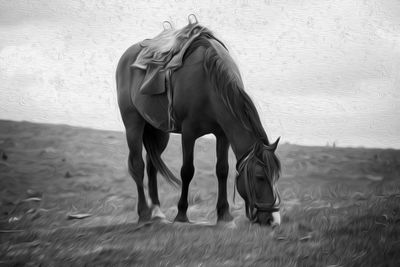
{"x":156,"y":213}
{"x":181,"y":218}
{"x":226,"y":217}
{"x":145,"y":216}
{"x":144,"y":219}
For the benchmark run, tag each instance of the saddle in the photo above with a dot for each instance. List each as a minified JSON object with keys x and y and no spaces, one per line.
{"x":163,"y":54}
{"x":157,"y":58}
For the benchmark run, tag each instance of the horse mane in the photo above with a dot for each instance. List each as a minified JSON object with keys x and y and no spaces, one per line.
{"x":227,"y":81}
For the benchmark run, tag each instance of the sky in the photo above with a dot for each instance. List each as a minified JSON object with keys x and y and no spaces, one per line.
{"x":319,"y":71}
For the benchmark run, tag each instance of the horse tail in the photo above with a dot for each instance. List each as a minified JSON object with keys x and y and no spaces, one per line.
{"x":152,"y":148}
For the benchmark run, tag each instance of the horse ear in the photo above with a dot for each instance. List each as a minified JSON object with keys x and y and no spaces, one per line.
{"x":273,"y":146}
{"x":192,"y":19}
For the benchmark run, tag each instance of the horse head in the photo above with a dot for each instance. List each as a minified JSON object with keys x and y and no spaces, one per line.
{"x":258,"y":171}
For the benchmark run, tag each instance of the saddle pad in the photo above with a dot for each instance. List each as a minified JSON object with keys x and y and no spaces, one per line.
{"x":160,"y":50}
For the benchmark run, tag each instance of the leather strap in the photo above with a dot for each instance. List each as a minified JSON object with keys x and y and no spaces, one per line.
{"x":170,"y":95}
{"x":252,"y":206}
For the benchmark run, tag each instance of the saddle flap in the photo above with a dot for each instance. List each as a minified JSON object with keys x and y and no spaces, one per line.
{"x":153,"y":107}
{"x":154,"y":82}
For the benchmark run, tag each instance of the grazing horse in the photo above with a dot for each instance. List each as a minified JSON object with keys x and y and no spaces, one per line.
{"x":204,"y":94}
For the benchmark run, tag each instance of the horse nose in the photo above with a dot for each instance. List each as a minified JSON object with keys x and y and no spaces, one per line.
{"x":269,"y":219}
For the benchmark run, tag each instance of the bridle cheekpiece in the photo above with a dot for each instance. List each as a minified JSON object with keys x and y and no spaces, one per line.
{"x":252,"y":206}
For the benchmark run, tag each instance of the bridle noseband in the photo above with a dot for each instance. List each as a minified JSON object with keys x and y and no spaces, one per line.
{"x":252,"y":206}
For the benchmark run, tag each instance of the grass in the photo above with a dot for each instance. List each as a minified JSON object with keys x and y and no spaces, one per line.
{"x":341,"y":206}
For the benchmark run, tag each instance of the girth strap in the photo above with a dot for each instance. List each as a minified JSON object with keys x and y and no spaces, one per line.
{"x":170,"y":95}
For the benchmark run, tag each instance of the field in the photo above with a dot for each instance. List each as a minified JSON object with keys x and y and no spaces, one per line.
{"x":341,"y":206}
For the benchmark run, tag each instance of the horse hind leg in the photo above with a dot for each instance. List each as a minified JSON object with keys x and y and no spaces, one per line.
{"x":160,"y":140}
{"x":156,"y":212}
{"x":134,"y":125}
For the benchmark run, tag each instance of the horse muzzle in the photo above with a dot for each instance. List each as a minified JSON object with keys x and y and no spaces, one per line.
{"x":264,"y":216}
{"x":269,"y":219}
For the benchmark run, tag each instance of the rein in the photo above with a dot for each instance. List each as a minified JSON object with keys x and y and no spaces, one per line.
{"x":252,"y":206}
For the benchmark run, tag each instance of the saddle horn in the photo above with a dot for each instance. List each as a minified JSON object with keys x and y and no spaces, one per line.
{"x":166,"y":27}
{"x":272,"y":147}
{"x":194,"y":17}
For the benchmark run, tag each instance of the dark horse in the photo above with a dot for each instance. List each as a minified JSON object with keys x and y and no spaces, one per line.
{"x":208,"y":97}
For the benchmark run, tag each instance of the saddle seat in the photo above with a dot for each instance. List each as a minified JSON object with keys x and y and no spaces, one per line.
{"x":162,"y":53}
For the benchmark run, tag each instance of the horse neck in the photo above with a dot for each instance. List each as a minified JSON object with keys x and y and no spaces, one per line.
{"x":240,"y":138}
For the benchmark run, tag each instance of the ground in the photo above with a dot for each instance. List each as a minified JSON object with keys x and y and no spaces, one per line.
{"x":341,"y":206}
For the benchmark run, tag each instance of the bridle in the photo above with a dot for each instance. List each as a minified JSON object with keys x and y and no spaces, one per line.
{"x":252,"y":206}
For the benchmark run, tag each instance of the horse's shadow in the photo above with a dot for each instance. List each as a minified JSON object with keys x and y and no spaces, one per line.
{"x":121,"y":244}
{"x":140,"y":228}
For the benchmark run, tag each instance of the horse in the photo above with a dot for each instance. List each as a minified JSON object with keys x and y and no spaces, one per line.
{"x":203,"y":95}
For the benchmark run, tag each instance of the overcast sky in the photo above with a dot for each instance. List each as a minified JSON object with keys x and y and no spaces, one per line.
{"x":319,"y":71}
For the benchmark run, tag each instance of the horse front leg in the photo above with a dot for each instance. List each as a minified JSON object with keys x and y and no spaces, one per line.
{"x":222,"y":170}
{"x":187,"y":172}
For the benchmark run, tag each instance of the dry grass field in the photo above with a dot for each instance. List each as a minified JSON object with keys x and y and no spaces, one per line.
{"x":341,"y":206}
